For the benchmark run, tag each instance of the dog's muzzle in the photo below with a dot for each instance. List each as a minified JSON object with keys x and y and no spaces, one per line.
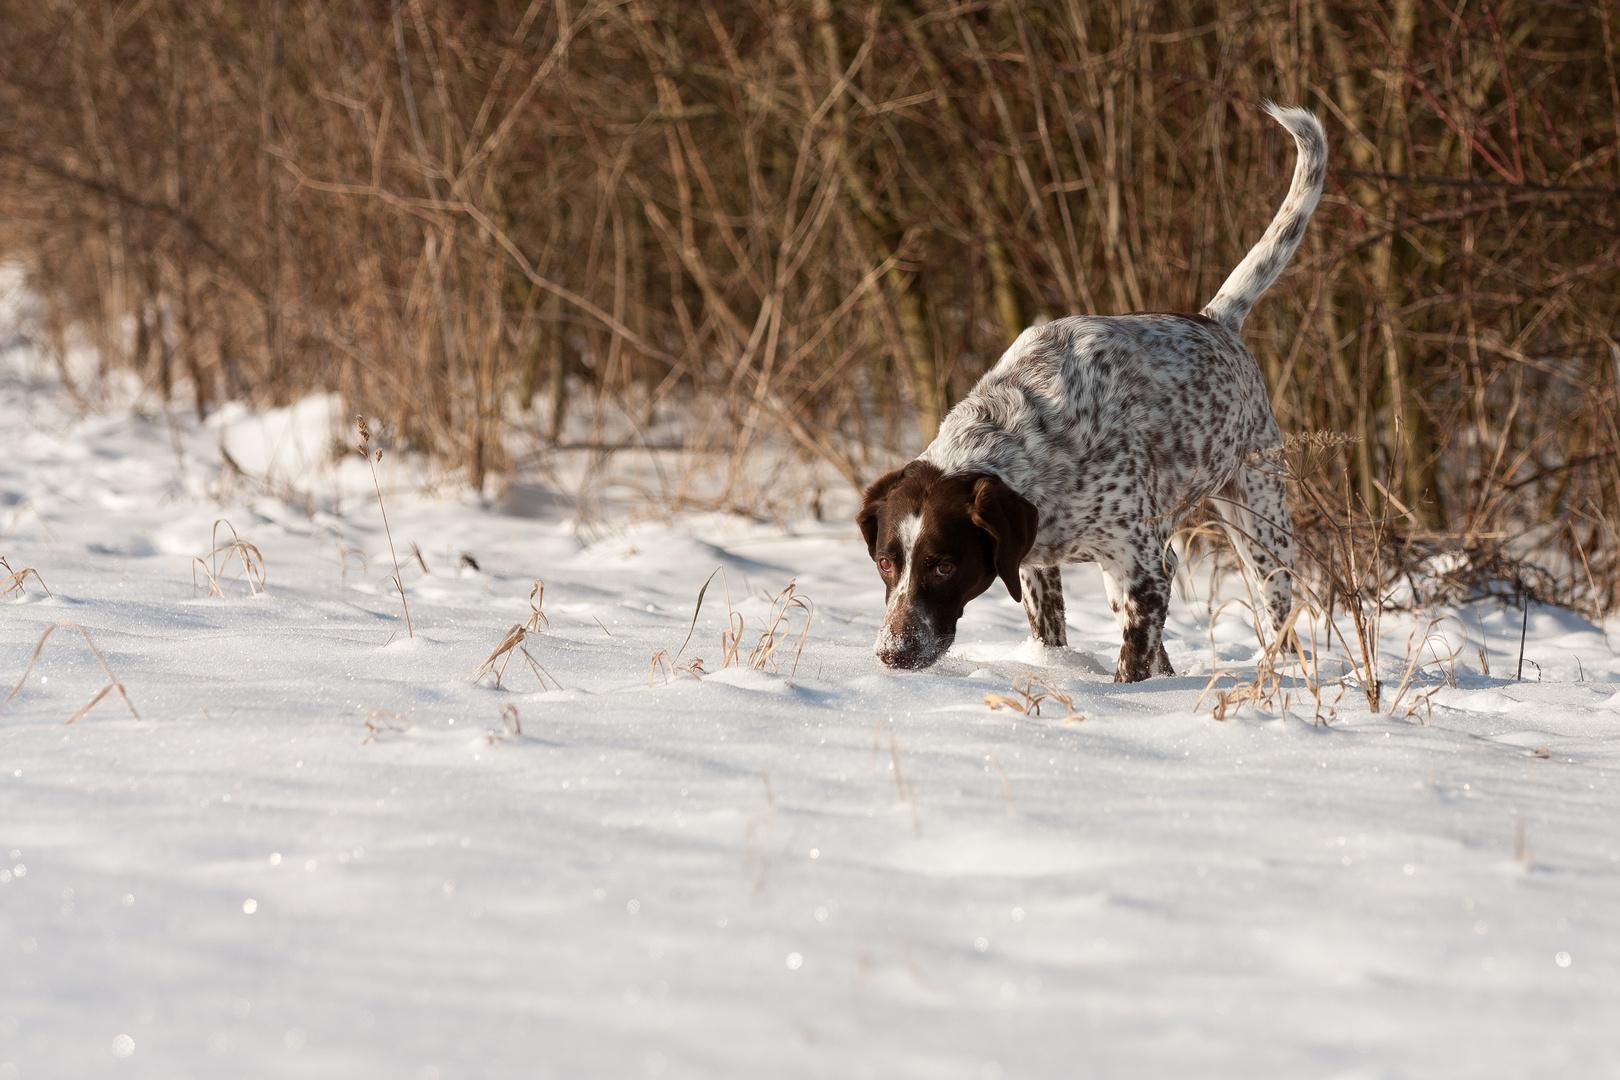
{"x":914,"y":645}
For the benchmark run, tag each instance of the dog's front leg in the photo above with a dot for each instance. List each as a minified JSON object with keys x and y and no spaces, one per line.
{"x":1043,"y":604}
{"x":1139,"y":592}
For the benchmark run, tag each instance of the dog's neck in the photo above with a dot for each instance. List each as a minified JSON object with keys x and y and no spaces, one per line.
{"x":989,"y":432}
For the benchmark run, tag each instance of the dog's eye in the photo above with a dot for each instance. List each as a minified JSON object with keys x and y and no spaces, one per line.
{"x":885,"y":565}
{"x":944,"y":570}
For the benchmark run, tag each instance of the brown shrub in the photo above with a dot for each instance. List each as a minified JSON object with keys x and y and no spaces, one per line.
{"x":822,"y":222}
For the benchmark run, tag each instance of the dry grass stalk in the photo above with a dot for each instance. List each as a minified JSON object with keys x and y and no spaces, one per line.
{"x":1269,"y":689}
{"x":1358,"y":563}
{"x":1355,"y":571}
{"x":537,"y":617}
{"x":1358,"y":560}
{"x":345,"y":554}
{"x":381,"y":722}
{"x":779,"y":629}
{"x":514,"y":642}
{"x":15,"y":582}
{"x":1421,"y":637}
{"x":348,"y":558}
{"x":112,"y":680}
{"x":510,"y":725}
{"x":731,"y":637}
{"x":1346,"y":558}
{"x":904,"y":790}
{"x":218,"y":560}
{"x":670,"y":664}
{"x":1006,"y":784}
{"x":1027,"y":700}
{"x":372,"y":458}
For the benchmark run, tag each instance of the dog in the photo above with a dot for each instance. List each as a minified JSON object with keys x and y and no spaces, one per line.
{"x":1089,"y":441}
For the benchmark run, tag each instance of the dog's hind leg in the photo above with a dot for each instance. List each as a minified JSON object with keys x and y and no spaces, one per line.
{"x":1043,"y":604}
{"x":1254,"y":510}
{"x":1138,"y":583}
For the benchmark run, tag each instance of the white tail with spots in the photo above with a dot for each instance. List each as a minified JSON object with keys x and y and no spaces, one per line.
{"x":1264,"y":263}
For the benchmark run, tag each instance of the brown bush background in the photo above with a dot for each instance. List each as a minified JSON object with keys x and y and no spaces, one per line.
{"x":827,"y":220}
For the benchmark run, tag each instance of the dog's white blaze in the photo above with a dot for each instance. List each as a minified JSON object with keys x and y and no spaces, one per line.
{"x":909,"y":528}
{"x":894,"y":633}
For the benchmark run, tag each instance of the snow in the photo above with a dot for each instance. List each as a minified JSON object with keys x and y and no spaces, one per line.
{"x":828,"y":871}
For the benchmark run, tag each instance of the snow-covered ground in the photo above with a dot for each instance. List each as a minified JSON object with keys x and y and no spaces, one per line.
{"x":830,"y":872}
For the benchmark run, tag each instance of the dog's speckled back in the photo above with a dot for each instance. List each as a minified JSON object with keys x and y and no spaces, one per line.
{"x":1103,"y":422}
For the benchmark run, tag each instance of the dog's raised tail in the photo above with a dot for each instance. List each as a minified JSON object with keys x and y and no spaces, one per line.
{"x":1265,"y":261}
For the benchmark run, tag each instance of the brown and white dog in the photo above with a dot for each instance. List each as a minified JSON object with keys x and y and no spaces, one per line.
{"x":1088,"y":442}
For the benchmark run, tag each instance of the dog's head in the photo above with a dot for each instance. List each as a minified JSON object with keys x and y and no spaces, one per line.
{"x":939,"y":541}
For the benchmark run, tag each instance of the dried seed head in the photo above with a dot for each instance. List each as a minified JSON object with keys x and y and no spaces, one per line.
{"x":360,"y":422}
{"x":379,"y":453}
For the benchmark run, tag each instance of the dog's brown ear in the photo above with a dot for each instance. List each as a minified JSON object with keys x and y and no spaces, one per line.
{"x":1012,"y":521}
{"x":867,"y":519}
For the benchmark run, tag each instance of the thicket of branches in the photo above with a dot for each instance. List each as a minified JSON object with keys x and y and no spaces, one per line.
{"x":819,"y":223}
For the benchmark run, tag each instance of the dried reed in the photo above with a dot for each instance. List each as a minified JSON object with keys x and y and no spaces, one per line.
{"x":16,"y":581}
{"x":1269,"y":688}
{"x":1027,"y":700}
{"x":213,"y":565}
{"x":371,"y":459}
{"x":1421,"y":637}
{"x":778,"y":629}
{"x":514,"y":642}
{"x":510,"y":725}
{"x":904,"y":790}
{"x":380,"y":722}
{"x":670,"y":664}
{"x":345,"y":555}
{"x":112,"y":680}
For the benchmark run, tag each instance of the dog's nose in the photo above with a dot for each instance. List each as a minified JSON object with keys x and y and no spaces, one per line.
{"x":898,"y":659}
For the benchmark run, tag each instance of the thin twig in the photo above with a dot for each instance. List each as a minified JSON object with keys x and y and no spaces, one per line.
{"x":371,"y":460}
